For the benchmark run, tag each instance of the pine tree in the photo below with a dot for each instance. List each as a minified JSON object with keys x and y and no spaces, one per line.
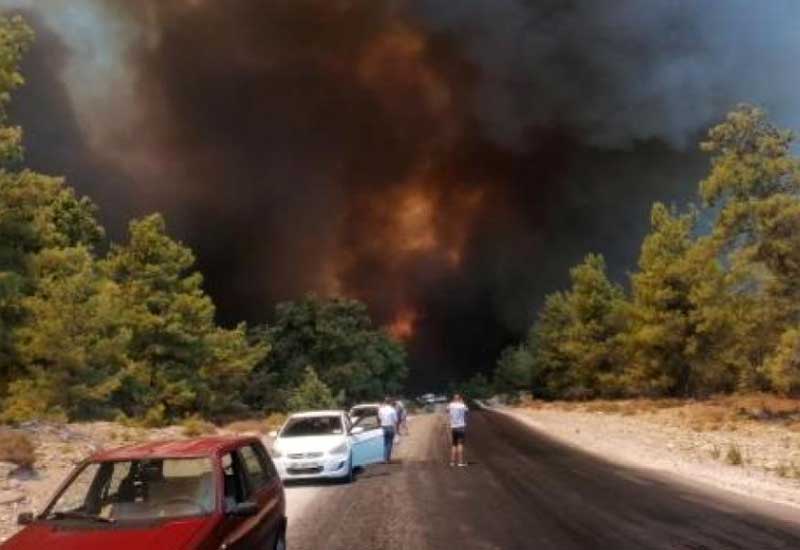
{"x":311,"y":394}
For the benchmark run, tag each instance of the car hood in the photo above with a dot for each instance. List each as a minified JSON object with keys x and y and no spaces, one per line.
{"x":174,"y":535}
{"x":309,"y":444}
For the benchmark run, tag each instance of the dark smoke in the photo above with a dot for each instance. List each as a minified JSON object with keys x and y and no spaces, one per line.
{"x":444,"y":161}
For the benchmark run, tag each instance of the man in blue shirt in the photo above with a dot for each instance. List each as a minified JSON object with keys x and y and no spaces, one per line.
{"x":457,"y":416}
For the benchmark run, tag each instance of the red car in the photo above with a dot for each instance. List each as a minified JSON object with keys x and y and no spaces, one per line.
{"x":202,"y":494}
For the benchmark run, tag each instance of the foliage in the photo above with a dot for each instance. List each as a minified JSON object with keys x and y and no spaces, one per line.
{"x":713,"y":312}
{"x":131,"y":334}
{"x":676,"y":327}
{"x":311,"y":394}
{"x":514,"y":370}
{"x":783,"y":368}
{"x":17,"y":448}
{"x":194,"y":426}
{"x":477,"y":387}
{"x":573,"y":349}
{"x":181,"y":362}
{"x":335,"y":337}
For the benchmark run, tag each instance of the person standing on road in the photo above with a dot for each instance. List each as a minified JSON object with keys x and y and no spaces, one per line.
{"x":388,"y":417}
{"x":402,"y":421}
{"x":457,"y":415}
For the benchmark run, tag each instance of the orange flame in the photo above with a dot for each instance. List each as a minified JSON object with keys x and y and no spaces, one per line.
{"x":404,"y":325}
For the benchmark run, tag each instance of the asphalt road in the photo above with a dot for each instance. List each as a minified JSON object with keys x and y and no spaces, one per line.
{"x":524,"y":491}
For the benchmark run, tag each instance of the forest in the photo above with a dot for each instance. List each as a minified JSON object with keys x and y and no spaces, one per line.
{"x":94,"y":329}
{"x":713,"y":306}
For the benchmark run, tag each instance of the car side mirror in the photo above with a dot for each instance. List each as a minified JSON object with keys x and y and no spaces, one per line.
{"x":243,"y":509}
{"x":273,"y":434}
{"x":357,"y":430}
{"x":25,"y":518}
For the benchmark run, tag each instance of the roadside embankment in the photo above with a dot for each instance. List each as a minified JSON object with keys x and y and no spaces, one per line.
{"x":749,"y":445}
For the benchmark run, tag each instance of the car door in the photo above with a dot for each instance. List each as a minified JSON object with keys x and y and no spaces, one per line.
{"x":368,"y":444}
{"x":241,"y":531}
{"x":265,"y":490}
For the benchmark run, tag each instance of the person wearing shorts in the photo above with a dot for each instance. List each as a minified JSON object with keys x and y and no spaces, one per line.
{"x":457,"y":416}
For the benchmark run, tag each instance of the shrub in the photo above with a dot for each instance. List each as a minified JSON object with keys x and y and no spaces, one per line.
{"x":274,"y":421}
{"x":17,"y":448}
{"x":734,"y":456}
{"x":195,"y":426}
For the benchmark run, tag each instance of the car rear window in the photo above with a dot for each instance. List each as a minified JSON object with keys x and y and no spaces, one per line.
{"x":312,"y":425}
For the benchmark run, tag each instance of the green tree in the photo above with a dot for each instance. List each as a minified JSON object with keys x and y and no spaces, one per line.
{"x":180,"y":359}
{"x":311,"y":394}
{"x":357,"y":361}
{"x":477,"y":387}
{"x":551,"y":362}
{"x":73,"y":346}
{"x":755,"y":183}
{"x":514,"y":370}
{"x":676,"y":325}
{"x":597,"y":311}
{"x":38,"y":214}
{"x":15,"y":39}
{"x":783,"y":367}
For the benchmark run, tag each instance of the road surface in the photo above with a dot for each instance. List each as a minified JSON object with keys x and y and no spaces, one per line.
{"x":524,"y":491}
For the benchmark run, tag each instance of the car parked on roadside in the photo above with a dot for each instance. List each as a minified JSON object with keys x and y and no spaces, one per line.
{"x":201,"y":494}
{"x":326,"y":445}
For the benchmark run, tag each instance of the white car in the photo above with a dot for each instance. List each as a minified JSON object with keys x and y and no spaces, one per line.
{"x":326,"y":444}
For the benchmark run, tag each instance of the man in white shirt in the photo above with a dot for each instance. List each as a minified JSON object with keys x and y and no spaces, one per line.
{"x":457,"y":415}
{"x":388,"y":417}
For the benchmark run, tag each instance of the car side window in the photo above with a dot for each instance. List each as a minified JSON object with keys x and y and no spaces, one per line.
{"x":235,"y":486}
{"x":255,"y":462}
{"x":368,"y":422}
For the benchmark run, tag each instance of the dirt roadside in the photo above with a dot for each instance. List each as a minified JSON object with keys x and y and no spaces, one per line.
{"x":756,"y":459}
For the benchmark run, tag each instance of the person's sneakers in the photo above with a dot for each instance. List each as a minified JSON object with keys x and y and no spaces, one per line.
{"x":462,"y":464}
{"x":452,"y":464}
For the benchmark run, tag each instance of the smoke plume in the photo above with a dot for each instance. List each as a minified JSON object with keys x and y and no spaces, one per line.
{"x":444,"y":161}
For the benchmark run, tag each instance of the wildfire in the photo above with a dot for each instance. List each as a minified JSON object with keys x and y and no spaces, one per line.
{"x":416,"y":227}
{"x":403,"y":326}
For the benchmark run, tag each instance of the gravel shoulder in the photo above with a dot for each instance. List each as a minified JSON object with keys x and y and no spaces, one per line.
{"x":754,"y":459}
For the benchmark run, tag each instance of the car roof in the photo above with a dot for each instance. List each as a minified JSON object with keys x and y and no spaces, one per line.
{"x":315,"y":414}
{"x":184,"y":448}
{"x":366,"y":406}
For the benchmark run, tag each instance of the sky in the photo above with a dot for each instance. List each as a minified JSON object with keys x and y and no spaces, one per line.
{"x":445,"y":162}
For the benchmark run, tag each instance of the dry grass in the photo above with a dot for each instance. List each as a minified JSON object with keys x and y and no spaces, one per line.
{"x":717,"y":413}
{"x":17,"y":448}
{"x":624,"y":407}
{"x":247,"y":426}
{"x":270,"y":423}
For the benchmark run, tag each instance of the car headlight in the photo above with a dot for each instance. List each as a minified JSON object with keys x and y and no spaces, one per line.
{"x":339,"y":449}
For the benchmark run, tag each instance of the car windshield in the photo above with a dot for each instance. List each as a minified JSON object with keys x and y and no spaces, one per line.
{"x":312,"y":425}
{"x":154,"y":488}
